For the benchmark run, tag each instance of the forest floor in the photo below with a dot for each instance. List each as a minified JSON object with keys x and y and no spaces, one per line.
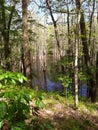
{"x":62,"y":114}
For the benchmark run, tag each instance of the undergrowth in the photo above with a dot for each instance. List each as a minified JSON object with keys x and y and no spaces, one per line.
{"x":15,"y":107}
{"x":15,"y":103}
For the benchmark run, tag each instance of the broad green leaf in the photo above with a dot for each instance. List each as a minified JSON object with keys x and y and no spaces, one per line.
{"x":1,"y":124}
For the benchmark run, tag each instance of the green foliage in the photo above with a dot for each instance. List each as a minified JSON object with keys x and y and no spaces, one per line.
{"x":14,"y":100}
{"x":3,"y":109}
{"x":11,"y":78}
{"x":14,"y":105}
{"x":83,"y":76}
{"x":56,"y":68}
{"x":92,"y":107}
{"x":72,"y":124}
{"x":1,"y":124}
{"x":77,"y":124}
{"x":66,"y":81}
{"x":19,"y":126}
{"x":41,"y":124}
{"x":39,"y":100}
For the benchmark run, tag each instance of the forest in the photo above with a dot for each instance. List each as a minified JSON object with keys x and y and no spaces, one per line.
{"x":48,"y":64}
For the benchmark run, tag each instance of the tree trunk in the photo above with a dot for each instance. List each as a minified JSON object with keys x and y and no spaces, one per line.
{"x":23,"y":69}
{"x":76,"y":58}
{"x":56,"y":33}
{"x":88,"y":62}
{"x":6,"y":33}
{"x":76,"y":74}
{"x":26,"y":45}
{"x":5,"y":37}
{"x":91,"y":20}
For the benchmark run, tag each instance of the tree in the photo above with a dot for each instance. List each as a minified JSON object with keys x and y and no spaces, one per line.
{"x":26,"y":45}
{"x":76,"y":78}
{"x":87,"y":56}
{"x":5,"y":30}
{"x":55,"y":31}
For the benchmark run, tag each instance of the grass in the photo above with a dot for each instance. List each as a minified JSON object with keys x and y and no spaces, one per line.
{"x":65,"y":117}
{"x":73,"y":124}
{"x":59,"y":112}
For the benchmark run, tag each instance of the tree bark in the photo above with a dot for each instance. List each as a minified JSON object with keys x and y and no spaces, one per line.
{"x":6,"y":33}
{"x":26,"y":45}
{"x":5,"y":38}
{"x":88,"y":62}
{"x":91,"y":20}
{"x":76,"y":73}
{"x":76,"y":78}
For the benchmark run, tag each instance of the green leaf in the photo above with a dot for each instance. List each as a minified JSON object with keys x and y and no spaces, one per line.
{"x":3,"y":109}
{"x":39,"y":103}
{"x":12,"y":78}
{"x":21,"y":80}
{"x":16,"y":128}
{"x":13,"y":81}
{"x":9,"y":8}
{"x":0,"y":85}
{"x":1,"y":124}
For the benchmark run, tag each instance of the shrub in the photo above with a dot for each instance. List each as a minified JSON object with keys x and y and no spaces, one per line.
{"x":15,"y":101}
{"x":8,"y":77}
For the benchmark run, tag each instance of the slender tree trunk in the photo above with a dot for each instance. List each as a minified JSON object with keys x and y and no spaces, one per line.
{"x":5,"y":37}
{"x":6,"y":33}
{"x":44,"y":70}
{"x":68,"y":26}
{"x":45,"y":79}
{"x":26,"y":45}
{"x":23,"y":69}
{"x":56,"y":33}
{"x":76,"y":58}
{"x":76,"y":74}
{"x":91,"y":20}
{"x":84,"y":41}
